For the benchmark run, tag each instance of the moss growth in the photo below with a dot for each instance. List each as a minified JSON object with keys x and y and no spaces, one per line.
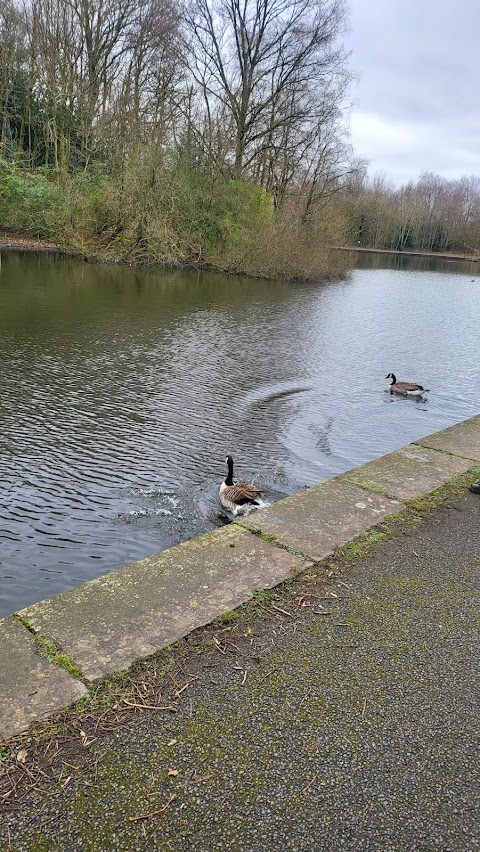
{"x":39,"y":843}
{"x":227,"y":618}
{"x":24,"y":622}
{"x":263,"y":595}
{"x":363,"y":545}
{"x":295,"y":552}
{"x":257,"y":531}
{"x":425,"y":505}
{"x":270,"y":539}
{"x":67,"y":662}
{"x":372,"y":488}
{"x":47,"y":648}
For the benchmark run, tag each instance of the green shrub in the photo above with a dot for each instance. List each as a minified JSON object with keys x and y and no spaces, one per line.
{"x":31,"y":203}
{"x":158,"y":209}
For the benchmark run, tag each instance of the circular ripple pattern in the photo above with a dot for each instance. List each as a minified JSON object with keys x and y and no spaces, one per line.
{"x":122,"y":392}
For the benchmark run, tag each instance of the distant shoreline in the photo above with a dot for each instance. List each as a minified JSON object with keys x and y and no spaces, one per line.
{"x":434,"y":254}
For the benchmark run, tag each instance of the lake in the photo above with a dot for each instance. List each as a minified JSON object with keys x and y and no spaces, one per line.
{"x":123,"y":389}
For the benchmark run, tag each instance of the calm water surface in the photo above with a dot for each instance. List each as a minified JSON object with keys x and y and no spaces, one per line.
{"x":123,"y":390}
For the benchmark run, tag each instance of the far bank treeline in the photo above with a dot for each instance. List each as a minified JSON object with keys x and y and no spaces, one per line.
{"x":210,"y":131}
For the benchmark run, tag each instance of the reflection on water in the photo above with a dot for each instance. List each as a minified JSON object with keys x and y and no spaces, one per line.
{"x":123,"y":390}
{"x":413,"y":263}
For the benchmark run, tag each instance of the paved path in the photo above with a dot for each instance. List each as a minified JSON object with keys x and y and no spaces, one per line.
{"x":356,"y":730}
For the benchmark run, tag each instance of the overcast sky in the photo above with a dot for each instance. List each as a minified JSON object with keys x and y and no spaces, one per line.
{"x":417,"y":99}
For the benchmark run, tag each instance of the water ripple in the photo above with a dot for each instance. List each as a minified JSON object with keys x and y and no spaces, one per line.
{"x":119,"y":403}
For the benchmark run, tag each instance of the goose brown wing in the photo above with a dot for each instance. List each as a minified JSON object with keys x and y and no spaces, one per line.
{"x":241,"y":492}
{"x":408,"y":386}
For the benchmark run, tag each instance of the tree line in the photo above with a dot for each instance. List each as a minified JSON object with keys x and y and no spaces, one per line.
{"x":432,"y":214}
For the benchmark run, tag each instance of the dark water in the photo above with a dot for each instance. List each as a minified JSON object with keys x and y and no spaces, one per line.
{"x":122,"y":391}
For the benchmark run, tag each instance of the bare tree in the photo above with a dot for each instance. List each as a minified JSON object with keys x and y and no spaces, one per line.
{"x":267,"y":64}
{"x":152,"y":71}
{"x":13,"y":55}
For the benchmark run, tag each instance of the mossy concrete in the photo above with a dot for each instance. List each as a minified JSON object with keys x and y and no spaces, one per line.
{"x":463,"y":439}
{"x":317,"y":521}
{"x":110,"y":622}
{"x":409,"y":473}
{"x":31,"y":687}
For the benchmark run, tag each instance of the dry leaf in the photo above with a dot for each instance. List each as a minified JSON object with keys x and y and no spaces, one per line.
{"x":172,"y":742}
{"x":85,"y":741}
{"x":21,"y":755}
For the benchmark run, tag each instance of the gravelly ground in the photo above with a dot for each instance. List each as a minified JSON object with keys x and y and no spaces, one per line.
{"x":356,"y":730}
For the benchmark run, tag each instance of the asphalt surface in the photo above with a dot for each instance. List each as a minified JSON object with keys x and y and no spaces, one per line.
{"x":353,"y":730}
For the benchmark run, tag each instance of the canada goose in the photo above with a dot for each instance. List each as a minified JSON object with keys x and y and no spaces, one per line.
{"x":237,"y":496}
{"x":405,"y":388}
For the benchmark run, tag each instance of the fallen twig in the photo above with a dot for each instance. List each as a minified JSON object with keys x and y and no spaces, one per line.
{"x":184,"y":687}
{"x":309,"y":784}
{"x":154,"y":813}
{"x":199,"y":780}
{"x":304,"y":697}
{"x":268,"y":610}
{"x":268,"y":674}
{"x":279,"y":609}
{"x":149,"y":706}
{"x":218,"y":645}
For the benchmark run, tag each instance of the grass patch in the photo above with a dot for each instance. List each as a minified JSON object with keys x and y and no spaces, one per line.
{"x":425,"y":505}
{"x":363,"y":545}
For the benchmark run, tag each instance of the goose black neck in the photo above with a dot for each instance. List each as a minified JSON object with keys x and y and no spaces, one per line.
{"x":394,"y":379}
{"x":229,"y":479}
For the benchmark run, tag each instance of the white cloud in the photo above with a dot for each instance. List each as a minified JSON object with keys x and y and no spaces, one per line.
{"x":417,"y":105}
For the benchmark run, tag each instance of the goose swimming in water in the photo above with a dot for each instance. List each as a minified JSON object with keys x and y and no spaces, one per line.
{"x":405,"y":388}
{"x":236,"y":497}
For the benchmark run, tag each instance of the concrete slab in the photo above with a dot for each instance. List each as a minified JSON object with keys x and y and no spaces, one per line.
{"x":121,"y":617}
{"x":409,"y":473}
{"x":31,"y":688}
{"x":461,"y":440}
{"x":324,"y":517}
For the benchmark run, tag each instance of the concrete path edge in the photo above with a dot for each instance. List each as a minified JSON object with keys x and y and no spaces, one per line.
{"x":107,"y":624}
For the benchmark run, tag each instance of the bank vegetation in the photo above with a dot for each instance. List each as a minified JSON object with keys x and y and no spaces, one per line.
{"x":155,"y":130}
